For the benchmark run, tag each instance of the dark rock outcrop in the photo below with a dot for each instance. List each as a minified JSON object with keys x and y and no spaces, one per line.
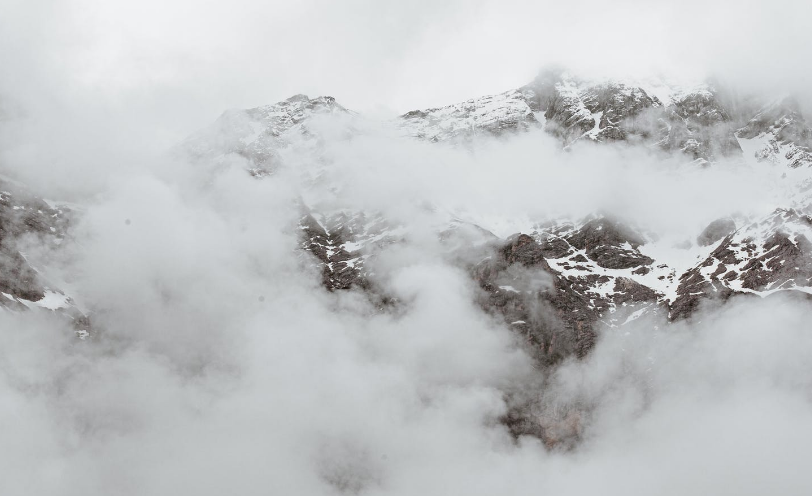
{"x":27,"y":221}
{"x":609,"y":244}
{"x":715,"y":231}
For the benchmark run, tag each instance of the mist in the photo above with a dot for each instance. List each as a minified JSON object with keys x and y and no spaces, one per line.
{"x":223,"y":364}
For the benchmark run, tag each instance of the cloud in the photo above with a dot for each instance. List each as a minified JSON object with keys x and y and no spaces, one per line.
{"x":168,"y":67}
{"x":224,"y":367}
{"x":199,"y":385}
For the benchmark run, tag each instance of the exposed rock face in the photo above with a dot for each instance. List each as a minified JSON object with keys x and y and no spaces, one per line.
{"x":340,"y":244}
{"x":715,"y":231}
{"x":609,"y":244}
{"x":520,"y":285}
{"x":28,"y":221}
{"x":773,"y":254}
{"x":779,"y":134}
{"x":338,"y":266}
{"x":558,"y":283}
{"x":630,"y":291}
{"x":559,"y":428}
{"x":694,"y":289}
{"x":17,"y":278}
{"x":603,"y":267}
{"x":699,"y":126}
{"x":606,"y":111}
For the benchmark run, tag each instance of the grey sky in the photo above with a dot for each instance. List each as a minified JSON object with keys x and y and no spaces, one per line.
{"x":180,"y":63}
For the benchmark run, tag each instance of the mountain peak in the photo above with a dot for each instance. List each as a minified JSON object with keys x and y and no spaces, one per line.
{"x":300,"y":97}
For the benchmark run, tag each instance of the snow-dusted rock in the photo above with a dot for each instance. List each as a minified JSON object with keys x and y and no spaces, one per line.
{"x":258,"y":135}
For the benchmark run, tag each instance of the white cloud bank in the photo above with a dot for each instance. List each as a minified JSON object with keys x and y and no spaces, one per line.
{"x":225,"y":368}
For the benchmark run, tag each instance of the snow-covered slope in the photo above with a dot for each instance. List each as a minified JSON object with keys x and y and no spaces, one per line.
{"x":494,"y":115}
{"x":778,"y":134}
{"x":771,"y":254}
{"x":28,"y":222}
{"x":675,"y":117}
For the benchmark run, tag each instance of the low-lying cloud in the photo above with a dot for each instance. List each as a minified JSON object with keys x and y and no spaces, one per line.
{"x":223,"y":366}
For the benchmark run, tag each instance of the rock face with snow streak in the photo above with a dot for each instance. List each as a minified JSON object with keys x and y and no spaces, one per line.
{"x":599,"y":111}
{"x":24,"y":219}
{"x":769,"y":255}
{"x":521,"y":286}
{"x":28,"y":222}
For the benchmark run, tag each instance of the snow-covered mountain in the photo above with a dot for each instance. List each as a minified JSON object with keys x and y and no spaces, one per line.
{"x":603,"y":272}
{"x":689,"y":118}
{"x":556,"y":282}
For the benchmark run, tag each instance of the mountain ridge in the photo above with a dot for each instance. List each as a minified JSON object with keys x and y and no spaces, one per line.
{"x":603,"y":266}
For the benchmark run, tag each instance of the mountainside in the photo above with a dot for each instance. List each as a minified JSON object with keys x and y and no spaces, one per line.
{"x":598,"y":270}
{"x":29,"y":222}
{"x":257,"y":135}
{"x":779,"y":134}
{"x":557,"y":283}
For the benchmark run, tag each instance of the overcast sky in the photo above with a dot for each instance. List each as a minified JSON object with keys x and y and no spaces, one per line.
{"x":178,"y":64}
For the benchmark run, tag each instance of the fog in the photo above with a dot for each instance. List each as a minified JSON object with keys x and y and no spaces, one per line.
{"x":106,"y":85}
{"x":223,"y":365}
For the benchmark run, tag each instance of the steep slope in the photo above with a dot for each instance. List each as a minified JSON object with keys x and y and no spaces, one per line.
{"x":769,"y":255}
{"x":778,"y":134}
{"x":597,"y":110}
{"x":27,"y":221}
{"x":559,"y":282}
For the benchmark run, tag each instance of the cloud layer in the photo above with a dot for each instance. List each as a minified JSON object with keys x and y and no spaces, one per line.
{"x":225,"y":367}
